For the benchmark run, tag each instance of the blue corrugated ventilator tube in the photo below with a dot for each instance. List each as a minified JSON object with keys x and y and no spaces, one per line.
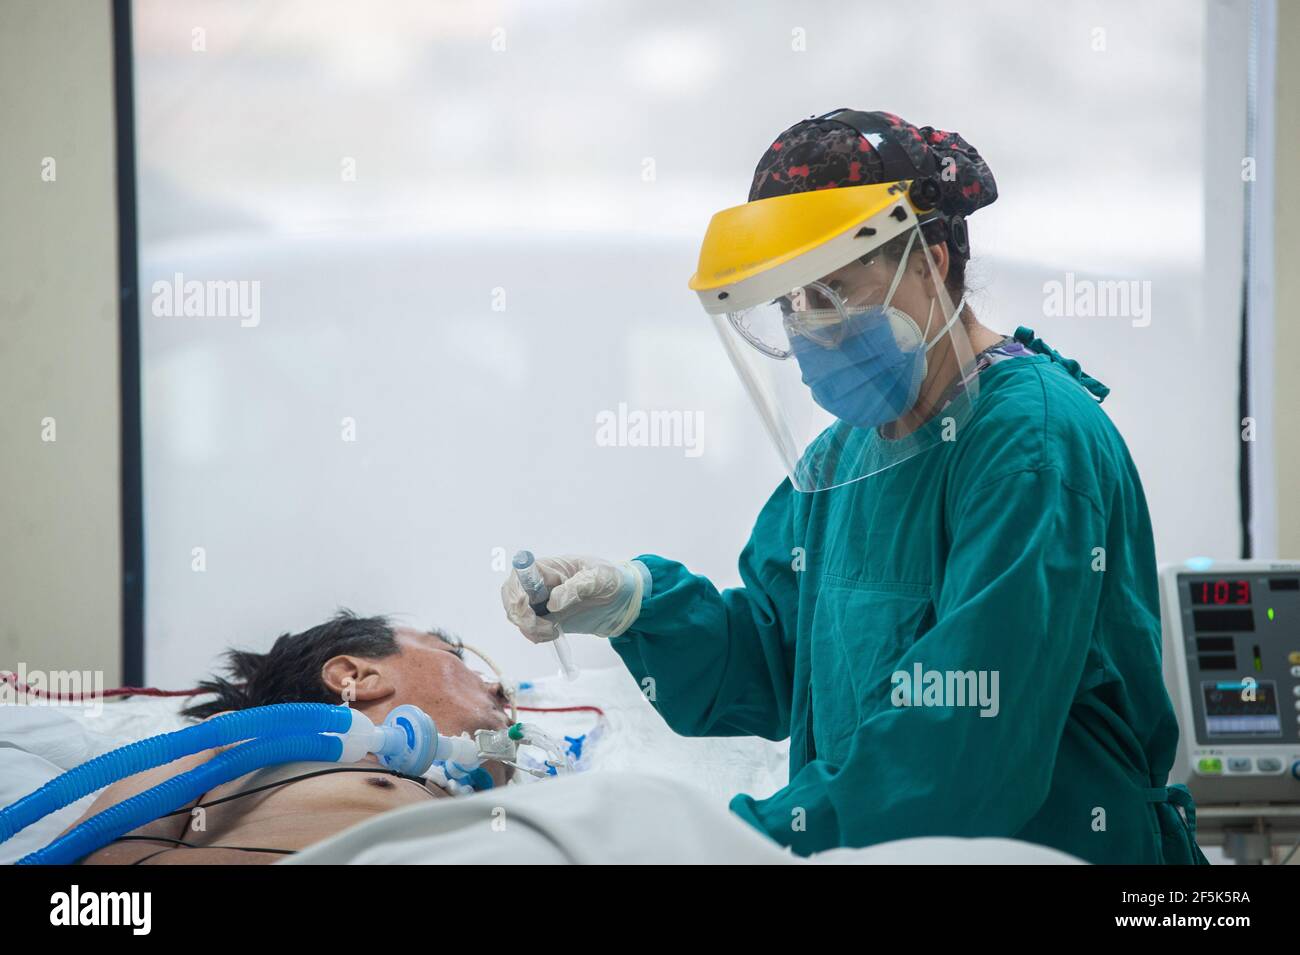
{"x":406,"y":742}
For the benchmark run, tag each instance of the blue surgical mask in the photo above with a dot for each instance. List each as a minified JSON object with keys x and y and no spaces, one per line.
{"x":875,"y":374}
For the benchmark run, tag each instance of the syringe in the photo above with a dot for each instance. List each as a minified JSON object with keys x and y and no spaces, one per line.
{"x":530,"y":578}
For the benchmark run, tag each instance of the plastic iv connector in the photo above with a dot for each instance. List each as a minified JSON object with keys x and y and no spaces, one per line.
{"x":530,"y":578}
{"x":503,"y":747}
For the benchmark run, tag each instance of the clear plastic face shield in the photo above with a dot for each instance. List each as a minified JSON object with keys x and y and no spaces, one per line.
{"x":862,"y":362}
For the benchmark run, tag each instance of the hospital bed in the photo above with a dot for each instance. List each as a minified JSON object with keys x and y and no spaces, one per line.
{"x":642,"y":794}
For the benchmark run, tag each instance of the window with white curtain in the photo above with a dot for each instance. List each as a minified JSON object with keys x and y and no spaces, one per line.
{"x":447,"y":242}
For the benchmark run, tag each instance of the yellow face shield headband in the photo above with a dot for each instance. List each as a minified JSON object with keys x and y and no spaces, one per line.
{"x":755,"y":252}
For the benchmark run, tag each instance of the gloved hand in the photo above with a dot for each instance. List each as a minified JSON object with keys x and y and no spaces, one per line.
{"x":588,"y":595}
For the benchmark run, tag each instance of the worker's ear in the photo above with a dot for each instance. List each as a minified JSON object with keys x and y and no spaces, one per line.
{"x":939,"y":255}
{"x":356,"y":679}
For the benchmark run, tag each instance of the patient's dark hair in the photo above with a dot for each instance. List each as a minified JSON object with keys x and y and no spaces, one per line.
{"x":290,"y":672}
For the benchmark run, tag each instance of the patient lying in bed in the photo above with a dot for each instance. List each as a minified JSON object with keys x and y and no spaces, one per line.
{"x":274,"y":812}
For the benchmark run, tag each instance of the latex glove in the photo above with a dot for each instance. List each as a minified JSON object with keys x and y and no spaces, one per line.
{"x":588,"y":595}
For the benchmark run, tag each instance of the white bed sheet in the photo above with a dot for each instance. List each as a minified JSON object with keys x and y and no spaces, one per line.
{"x":612,"y":819}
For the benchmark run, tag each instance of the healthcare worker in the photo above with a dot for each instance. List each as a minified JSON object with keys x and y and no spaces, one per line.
{"x":950,"y":605}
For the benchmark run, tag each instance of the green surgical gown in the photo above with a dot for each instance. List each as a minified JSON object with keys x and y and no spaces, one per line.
{"x":1023,"y":548}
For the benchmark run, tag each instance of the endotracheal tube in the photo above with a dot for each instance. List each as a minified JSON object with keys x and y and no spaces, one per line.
{"x":530,"y":578}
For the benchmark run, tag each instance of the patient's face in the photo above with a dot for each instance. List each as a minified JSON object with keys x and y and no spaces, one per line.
{"x":429,"y":673}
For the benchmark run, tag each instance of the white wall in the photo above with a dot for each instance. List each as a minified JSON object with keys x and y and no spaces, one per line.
{"x":60,"y":538}
{"x":1286,"y":291}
